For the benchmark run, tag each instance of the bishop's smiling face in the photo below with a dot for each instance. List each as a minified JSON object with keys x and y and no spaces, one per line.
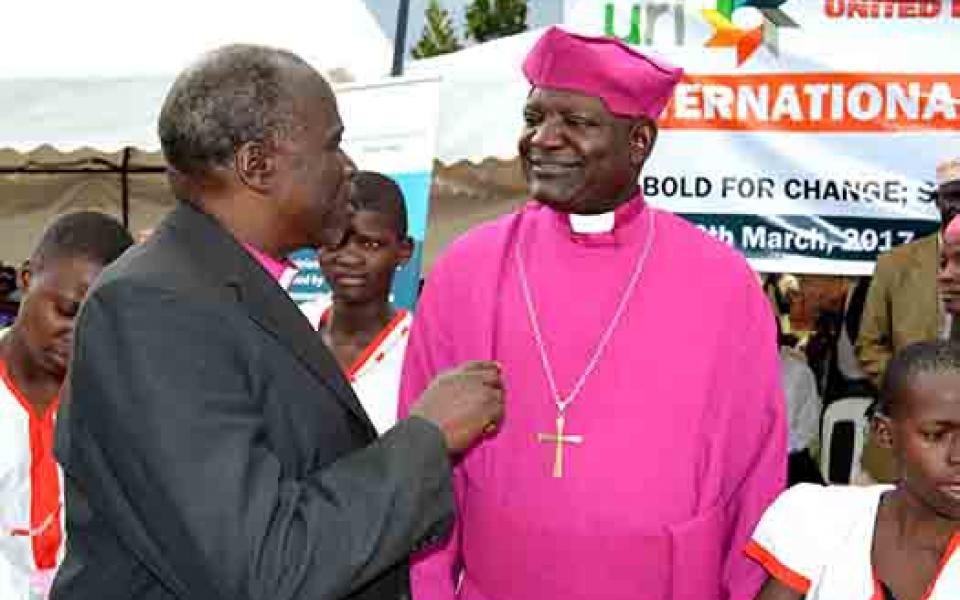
{"x":576,"y":156}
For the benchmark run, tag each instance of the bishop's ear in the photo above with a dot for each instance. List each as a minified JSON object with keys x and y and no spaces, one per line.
{"x":643,"y":135}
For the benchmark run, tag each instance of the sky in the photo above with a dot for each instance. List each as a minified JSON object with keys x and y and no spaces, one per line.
{"x":539,"y":13}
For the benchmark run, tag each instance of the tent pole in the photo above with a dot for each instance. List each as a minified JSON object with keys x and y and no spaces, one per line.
{"x":400,"y":38}
{"x":125,"y":188}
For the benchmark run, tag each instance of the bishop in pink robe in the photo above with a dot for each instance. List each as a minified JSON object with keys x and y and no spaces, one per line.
{"x":677,"y":438}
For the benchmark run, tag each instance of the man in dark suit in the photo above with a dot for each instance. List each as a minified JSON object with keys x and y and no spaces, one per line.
{"x":212,"y":448}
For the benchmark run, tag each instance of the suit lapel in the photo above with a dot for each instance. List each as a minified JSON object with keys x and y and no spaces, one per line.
{"x":264,"y":300}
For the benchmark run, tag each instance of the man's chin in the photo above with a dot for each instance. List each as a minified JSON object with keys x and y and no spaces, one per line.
{"x":555,"y":199}
{"x":352,"y":296}
{"x":561,"y":206}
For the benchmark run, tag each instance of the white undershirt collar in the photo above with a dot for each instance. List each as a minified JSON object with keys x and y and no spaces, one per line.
{"x":588,"y":224}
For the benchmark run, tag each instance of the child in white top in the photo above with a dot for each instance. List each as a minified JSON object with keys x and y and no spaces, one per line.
{"x":34,"y":355}
{"x":367,"y":334}
{"x":881,"y":542}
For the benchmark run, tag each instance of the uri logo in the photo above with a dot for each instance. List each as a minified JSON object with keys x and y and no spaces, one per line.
{"x":746,"y":41}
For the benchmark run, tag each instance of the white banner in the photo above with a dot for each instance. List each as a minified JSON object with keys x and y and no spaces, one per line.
{"x":389,"y":127}
{"x":805,"y":132}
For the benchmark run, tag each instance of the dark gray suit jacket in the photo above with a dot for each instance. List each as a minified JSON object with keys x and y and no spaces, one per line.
{"x":212,"y":449}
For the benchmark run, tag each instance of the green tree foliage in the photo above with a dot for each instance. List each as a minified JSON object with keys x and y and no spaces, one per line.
{"x":490,"y":19}
{"x":438,"y":35}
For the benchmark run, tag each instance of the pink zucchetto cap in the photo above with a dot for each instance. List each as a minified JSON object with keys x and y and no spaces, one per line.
{"x":951,"y":234}
{"x":631,"y":84}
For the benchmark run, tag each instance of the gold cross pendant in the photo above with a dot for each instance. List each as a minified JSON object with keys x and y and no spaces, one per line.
{"x":559,"y":439}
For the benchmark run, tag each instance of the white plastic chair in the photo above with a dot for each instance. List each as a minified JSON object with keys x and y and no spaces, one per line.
{"x":845,"y":410}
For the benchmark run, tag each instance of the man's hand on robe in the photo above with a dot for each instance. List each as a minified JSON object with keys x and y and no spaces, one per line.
{"x":464,"y":403}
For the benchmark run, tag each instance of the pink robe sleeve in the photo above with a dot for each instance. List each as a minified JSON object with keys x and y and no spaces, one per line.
{"x":433,"y":571}
{"x":755,"y":440}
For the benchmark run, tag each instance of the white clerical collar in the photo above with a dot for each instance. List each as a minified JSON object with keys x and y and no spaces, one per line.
{"x":587,"y":224}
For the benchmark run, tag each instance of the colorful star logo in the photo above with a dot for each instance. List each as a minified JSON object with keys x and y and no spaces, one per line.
{"x":746,"y":41}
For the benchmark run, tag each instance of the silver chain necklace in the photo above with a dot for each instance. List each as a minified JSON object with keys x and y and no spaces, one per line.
{"x":561,"y":402}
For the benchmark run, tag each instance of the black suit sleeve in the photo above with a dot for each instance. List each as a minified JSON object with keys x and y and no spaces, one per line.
{"x":166,"y":393}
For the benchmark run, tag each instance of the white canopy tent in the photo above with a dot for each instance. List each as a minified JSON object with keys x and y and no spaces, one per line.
{"x":108,"y":99}
{"x":81,"y":86}
{"x":481,"y":106}
{"x":97,"y":80}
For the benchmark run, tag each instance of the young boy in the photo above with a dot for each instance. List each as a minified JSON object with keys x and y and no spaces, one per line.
{"x":34,"y":355}
{"x":880,"y":542}
{"x":368,"y":335}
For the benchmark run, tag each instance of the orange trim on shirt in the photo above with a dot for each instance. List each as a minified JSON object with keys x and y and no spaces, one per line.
{"x":951,"y":548}
{"x":375,"y":344}
{"x":45,"y":532}
{"x":877,"y":588}
{"x":776,"y":569}
{"x":947,"y":555}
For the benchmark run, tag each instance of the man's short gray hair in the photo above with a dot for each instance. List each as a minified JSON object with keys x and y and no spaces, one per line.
{"x":232,"y":95}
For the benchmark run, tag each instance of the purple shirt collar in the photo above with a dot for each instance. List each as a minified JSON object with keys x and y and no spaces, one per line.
{"x":282,"y":271}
